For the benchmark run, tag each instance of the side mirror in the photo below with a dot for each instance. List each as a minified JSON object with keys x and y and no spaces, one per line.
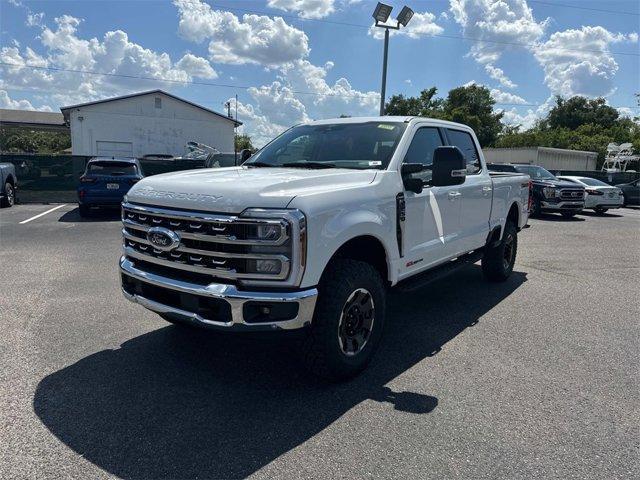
{"x":449,"y":167}
{"x":411,"y":184}
{"x":244,"y":155}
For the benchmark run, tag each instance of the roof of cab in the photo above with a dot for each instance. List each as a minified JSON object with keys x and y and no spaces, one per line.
{"x":388,"y":119}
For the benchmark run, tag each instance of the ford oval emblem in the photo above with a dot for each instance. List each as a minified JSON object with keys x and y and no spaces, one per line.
{"x":163,"y":238}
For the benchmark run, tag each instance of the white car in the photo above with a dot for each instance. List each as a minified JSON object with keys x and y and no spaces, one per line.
{"x":600,"y":196}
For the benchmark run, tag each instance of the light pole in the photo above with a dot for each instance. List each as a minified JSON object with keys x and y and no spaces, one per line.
{"x":381,"y":15}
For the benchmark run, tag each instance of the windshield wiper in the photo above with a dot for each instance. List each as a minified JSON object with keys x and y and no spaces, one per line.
{"x":316,"y":165}
{"x":258,"y":164}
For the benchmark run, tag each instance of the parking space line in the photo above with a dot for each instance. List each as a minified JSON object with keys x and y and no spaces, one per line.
{"x":42,"y":214}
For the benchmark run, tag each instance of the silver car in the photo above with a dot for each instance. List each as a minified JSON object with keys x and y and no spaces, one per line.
{"x":600,"y":196}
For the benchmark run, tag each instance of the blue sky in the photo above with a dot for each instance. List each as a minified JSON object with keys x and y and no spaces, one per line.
{"x":294,"y":60}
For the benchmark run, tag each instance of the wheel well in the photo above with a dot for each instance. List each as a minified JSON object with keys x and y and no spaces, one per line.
{"x":514,"y":215}
{"x":366,"y":249}
{"x":11,"y":180}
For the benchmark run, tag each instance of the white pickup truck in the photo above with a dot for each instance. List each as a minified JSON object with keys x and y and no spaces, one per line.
{"x":311,"y":231}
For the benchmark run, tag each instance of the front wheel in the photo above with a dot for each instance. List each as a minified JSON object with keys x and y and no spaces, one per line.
{"x":348,"y":321}
{"x":536,"y":209}
{"x":498,"y":261}
{"x":9,"y":195}
{"x":601,"y":211}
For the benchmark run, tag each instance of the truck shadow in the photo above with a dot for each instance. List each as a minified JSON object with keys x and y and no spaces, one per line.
{"x":102,"y":215}
{"x":180,"y":403}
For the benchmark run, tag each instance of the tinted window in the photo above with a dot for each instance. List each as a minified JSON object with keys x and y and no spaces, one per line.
{"x":536,"y":173}
{"x":423,"y":144}
{"x":345,"y":145}
{"x":496,"y":167}
{"x":464,"y":142}
{"x":111,"y":168}
{"x":592,"y":182}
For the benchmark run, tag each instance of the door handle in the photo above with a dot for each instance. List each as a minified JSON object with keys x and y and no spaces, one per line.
{"x":454,"y":195}
{"x":486,"y":190}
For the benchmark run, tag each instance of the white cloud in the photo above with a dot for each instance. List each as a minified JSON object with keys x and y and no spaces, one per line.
{"x":196,"y":66}
{"x":505,"y":97}
{"x":255,"y":39}
{"x":305,"y":8}
{"x":114,"y":54}
{"x":499,"y":75}
{"x":525,"y":121}
{"x":8,"y":102}
{"x":421,"y":25}
{"x":578,"y":62}
{"x":34,"y":19}
{"x":503,"y":22}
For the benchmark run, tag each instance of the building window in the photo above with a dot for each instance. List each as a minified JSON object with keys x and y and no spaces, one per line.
{"x":158,"y":102}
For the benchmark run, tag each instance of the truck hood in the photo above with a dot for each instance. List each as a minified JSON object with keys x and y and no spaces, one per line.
{"x":233,"y":189}
{"x":556,"y":183}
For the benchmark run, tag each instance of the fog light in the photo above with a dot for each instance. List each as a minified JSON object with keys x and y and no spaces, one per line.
{"x":267,"y":266}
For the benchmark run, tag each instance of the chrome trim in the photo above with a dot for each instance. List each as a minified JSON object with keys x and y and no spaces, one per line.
{"x":306,"y":300}
{"x":228,"y":273}
{"x":194,"y":217}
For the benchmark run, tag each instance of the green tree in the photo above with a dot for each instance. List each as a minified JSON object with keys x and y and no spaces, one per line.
{"x":577,"y":111}
{"x":17,"y":140}
{"x":424,"y":105}
{"x":244,"y":142}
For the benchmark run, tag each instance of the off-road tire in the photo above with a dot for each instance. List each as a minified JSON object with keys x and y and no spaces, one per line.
{"x":496,"y":267}
{"x":9,"y":198}
{"x":320,"y":347}
{"x":536,"y":209}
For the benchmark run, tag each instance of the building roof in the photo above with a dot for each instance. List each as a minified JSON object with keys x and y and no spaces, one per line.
{"x":32,"y":119}
{"x":65,"y":110}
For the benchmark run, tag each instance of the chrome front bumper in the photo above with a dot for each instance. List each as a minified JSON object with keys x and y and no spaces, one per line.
{"x":305,"y":299}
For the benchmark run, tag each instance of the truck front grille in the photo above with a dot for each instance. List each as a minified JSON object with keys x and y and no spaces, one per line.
{"x":222,"y":246}
{"x":571,"y":194}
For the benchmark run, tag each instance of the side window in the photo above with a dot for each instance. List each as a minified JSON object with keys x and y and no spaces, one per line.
{"x":464,"y":142}
{"x":423,"y":144}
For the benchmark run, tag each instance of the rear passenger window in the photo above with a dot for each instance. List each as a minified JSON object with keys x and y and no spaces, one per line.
{"x":464,"y":142}
{"x":424,"y":143}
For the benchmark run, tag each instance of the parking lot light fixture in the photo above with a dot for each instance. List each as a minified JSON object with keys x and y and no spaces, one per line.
{"x":381,"y":15}
{"x":382,"y":12}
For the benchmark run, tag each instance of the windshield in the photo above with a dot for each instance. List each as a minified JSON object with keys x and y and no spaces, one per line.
{"x":536,"y":173}
{"x":111,"y":168}
{"x":592,"y":182}
{"x":342,"y":145}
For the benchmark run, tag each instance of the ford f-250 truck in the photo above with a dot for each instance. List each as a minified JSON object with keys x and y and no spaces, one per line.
{"x":310,"y":232}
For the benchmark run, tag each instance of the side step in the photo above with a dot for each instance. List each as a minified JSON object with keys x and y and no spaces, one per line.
{"x":425,"y":278}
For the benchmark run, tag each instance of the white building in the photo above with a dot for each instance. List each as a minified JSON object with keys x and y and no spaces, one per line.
{"x":549,"y":158}
{"x":145,"y":123}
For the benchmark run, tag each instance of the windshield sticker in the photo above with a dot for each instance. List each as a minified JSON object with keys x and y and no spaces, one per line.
{"x":375,"y":163}
{"x":386,"y":126}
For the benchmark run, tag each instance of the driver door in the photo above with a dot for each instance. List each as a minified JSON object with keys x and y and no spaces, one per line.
{"x":432,"y":217}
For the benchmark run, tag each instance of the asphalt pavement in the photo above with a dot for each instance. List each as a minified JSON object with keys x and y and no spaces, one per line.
{"x":535,"y":377}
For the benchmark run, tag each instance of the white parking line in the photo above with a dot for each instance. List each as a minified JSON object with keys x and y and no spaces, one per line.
{"x":42,"y":214}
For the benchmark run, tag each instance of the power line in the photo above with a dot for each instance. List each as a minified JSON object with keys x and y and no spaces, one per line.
{"x":438,"y":35}
{"x":228,"y":85}
{"x":602,"y":10}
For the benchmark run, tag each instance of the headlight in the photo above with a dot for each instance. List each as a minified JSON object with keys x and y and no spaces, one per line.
{"x":549,"y":192}
{"x":268,"y":232}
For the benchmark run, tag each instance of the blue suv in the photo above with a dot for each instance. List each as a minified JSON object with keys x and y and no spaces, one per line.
{"x":106,"y":181}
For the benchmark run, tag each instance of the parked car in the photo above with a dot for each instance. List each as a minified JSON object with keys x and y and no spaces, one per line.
{"x":106,"y":181}
{"x":8,"y":184}
{"x":600,"y":196}
{"x":630,"y":192}
{"x":550,"y":194}
{"x":311,"y":231}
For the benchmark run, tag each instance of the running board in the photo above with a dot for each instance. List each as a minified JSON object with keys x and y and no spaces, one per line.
{"x":425,"y":278}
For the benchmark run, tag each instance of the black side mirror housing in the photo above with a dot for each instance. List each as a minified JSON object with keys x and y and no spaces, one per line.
{"x":411,"y":184}
{"x":449,"y":167}
{"x":244,"y":155}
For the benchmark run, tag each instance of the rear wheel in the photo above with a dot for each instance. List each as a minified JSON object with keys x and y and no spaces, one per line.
{"x":498,"y":261}
{"x":9,"y":195}
{"x":600,"y":210}
{"x":84,"y":210}
{"x":348,"y":321}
